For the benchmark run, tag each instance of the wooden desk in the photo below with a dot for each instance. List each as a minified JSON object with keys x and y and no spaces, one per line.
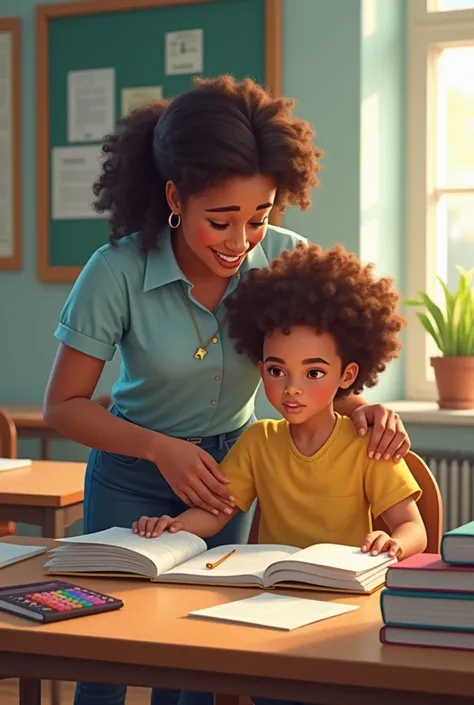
{"x":30,"y":423}
{"x":151,"y":642}
{"x":48,"y":494}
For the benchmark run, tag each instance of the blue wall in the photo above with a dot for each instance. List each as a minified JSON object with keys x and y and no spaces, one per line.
{"x":321,"y":69}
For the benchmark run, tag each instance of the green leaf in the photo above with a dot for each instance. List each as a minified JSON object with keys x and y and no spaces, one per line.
{"x":462,"y":304}
{"x":452,"y":330}
{"x":428,"y":326}
{"x":464,"y":312}
{"x":470,"y":342}
{"x":450,"y":304}
{"x":439,"y":320}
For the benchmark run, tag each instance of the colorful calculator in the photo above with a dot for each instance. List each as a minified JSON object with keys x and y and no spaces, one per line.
{"x":53,"y":601}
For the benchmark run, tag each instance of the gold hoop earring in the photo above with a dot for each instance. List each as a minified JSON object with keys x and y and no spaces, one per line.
{"x":174,"y":223}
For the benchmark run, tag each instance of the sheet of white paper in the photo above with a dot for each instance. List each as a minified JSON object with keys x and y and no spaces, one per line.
{"x":133,"y":98}
{"x":91,"y":104}
{"x":9,"y":464}
{"x":184,"y":52}
{"x":274,"y":611}
{"x":6,"y":147}
{"x":13,"y":553}
{"x":74,"y":171}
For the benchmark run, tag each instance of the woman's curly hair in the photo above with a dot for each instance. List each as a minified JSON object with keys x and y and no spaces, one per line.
{"x":220,"y":129}
{"x":330,"y":291}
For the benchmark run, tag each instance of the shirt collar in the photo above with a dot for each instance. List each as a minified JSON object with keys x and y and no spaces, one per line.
{"x":162,"y":267}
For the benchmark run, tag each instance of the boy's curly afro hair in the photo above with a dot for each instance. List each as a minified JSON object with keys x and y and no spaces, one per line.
{"x":331,"y":291}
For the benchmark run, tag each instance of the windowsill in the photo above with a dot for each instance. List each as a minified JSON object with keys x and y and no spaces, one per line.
{"x":428,"y":413}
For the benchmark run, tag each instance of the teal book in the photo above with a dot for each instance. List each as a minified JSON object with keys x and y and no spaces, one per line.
{"x":445,"y":611}
{"x":457,"y":545}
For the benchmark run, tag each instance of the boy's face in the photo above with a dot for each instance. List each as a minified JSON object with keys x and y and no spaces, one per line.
{"x":302,"y":372}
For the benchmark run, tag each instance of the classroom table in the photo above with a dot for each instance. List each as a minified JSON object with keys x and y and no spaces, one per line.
{"x":150,"y":641}
{"x":48,"y":494}
{"x":30,"y":422}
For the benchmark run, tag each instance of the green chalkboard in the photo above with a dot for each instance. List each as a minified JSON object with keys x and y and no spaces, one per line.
{"x":132,"y":42}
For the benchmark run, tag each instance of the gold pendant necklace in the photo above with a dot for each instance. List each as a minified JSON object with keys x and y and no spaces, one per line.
{"x":202,"y":351}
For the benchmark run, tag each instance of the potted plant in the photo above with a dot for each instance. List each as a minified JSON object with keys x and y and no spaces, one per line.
{"x":453,"y":333}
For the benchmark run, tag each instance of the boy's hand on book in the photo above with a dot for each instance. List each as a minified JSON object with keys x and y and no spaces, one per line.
{"x":379,"y":542}
{"x":152,"y":527}
{"x":194,"y":476}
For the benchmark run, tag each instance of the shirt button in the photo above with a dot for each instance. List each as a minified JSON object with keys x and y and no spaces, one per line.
{"x":213,"y":402}
{"x":214,"y":340}
{"x":217,"y":378}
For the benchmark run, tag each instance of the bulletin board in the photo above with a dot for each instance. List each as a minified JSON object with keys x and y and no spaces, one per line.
{"x":240,"y":37}
{"x":10,"y":145}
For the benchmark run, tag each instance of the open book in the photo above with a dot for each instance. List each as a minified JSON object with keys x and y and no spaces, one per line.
{"x":183,"y":557}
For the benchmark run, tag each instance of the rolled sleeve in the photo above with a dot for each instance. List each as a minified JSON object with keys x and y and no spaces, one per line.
{"x":94,"y":317}
{"x":388,"y":483}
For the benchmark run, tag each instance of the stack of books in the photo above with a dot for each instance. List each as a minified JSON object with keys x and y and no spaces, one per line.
{"x":429,"y":599}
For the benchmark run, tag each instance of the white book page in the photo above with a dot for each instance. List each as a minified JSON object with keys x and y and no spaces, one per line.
{"x":275,"y":611}
{"x":9,"y":464}
{"x":166,"y":551}
{"x":345,"y":558}
{"x":12,"y":553}
{"x":247,"y":560}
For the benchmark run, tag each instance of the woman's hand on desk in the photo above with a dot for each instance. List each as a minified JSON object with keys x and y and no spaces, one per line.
{"x":194,"y":475}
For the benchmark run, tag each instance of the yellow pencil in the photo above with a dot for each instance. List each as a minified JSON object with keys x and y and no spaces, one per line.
{"x":221,"y":560}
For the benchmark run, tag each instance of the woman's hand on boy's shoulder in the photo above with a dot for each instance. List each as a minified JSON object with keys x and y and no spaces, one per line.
{"x":389,"y":439}
{"x":152,"y":527}
{"x":380,"y":542}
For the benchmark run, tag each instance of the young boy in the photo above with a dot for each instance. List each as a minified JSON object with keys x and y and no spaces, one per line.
{"x":320,"y":325}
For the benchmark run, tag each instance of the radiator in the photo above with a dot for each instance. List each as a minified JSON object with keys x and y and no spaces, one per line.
{"x":454,"y":473}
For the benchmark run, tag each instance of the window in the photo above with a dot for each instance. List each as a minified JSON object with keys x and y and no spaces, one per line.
{"x":449,"y":5}
{"x":440,"y":163}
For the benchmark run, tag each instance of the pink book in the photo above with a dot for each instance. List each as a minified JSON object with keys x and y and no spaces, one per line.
{"x":426,"y":571}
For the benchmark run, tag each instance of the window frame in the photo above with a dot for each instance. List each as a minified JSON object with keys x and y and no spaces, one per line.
{"x":428,"y":32}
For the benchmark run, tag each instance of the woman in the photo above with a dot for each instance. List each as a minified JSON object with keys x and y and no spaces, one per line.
{"x":189,"y":186}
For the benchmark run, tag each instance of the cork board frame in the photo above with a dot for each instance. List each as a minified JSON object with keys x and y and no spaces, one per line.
{"x":14,"y":260}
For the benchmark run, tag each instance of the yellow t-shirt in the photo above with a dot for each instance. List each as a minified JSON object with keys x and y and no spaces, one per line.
{"x":329,"y":497}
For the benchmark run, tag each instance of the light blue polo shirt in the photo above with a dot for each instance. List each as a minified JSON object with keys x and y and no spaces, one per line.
{"x":134,"y":301}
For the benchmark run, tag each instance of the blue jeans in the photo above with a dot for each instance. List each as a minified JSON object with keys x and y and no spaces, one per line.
{"x":118,"y":490}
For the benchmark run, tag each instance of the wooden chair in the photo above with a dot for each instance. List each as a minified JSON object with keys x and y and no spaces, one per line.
{"x":8,"y":449}
{"x":430,"y":503}
{"x":431,"y":510}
